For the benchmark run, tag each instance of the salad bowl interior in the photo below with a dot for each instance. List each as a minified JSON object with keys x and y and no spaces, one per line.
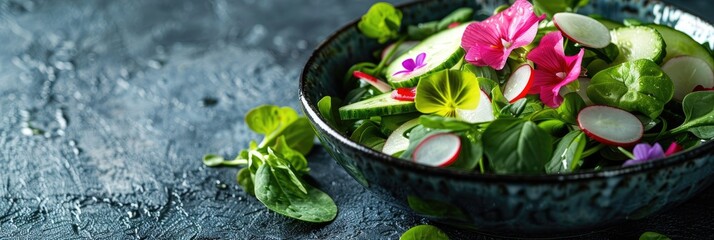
{"x":508,"y":204}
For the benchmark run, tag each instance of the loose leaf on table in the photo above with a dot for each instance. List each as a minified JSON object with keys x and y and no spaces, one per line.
{"x":568,"y":153}
{"x":699,"y":111}
{"x":516,"y":146}
{"x":551,"y":7}
{"x":273,"y":122}
{"x":279,"y":193}
{"x":653,"y":236}
{"x":297,"y":161}
{"x":245,"y":180}
{"x":381,"y":22}
{"x":434,"y":208}
{"x":445,"y":91}
{"x":571,"y":106}
{"x":638,"y":85}
{"x":424,"y":232}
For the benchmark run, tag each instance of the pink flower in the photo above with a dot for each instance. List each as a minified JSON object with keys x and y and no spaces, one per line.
{"x":410,"y":64}
{"x":673,"y":148}
{"x":553,"y":69}
{"x":488,"y":43}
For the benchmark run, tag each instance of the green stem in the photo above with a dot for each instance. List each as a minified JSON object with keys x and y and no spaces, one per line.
{"x":592,"y":150}
{"x":389,"y":55}
{"x":627,"y":153}
{"x":236,"y":162}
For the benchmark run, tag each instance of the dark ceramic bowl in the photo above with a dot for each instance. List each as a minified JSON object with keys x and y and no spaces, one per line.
{"x":507,"y":204}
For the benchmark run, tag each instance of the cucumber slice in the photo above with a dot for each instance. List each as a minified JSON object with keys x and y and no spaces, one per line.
{"x":687,"y":73}
{"x":638,"y":42}
{"x":379,"y":105}
{"x":681,"y":44}
{"x":397,"y":142}
{"x":443,"y":50}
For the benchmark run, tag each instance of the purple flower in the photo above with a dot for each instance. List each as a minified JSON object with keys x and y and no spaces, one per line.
{"x":643,"y":152}
{"x":410,"y":64}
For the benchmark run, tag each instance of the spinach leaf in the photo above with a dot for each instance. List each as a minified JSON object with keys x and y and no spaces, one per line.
{"x":638,"y":85}
{"x":422,"y":31}
{"x":483,"y":72}
{"x":424,"y":232}
{"x":653,"y":236}
{"x":328,"y":107}
{"x":460,"y":15}
{"x":699,"y":111}
{"x":212,"y":160}
{"x":551,"y":7}
{"x":381,"y":22}
{"x":369,"y":134}
{"x":470,"y":156}
{"x":554,"y":127}
{"x":545,"y":114}
{"x":245,"y":180}
{"x":273,"y":121}
{"x":516,"y":146}
{"x":571,"y":106}
{"x":438,"y":122}
{"x":279,"y":193}
{"x":434,"y":208}
{"x":297,"y":161}
{"x":568,"y":153}
{"x":267,"y":119}
{"x":498,"y":101}
{"x":445,"y":91}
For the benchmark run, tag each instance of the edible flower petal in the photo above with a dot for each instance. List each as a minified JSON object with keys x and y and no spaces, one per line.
{"x":644,"y":152}
{"x":489,"y":42}
{"x":553,"y":69}
{"x":411,"y":64}
{"x":673,"y":148}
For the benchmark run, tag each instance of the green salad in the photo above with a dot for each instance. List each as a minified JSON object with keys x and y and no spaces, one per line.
{"x":535,"y":88}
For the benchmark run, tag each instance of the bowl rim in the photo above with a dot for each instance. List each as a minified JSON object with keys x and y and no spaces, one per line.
{"x":309,"y":108}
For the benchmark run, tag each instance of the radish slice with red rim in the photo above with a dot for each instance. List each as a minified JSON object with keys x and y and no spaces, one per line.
{"x":404,"y":94}
{"x":519,"y":83}
{"x":438,"y":150}
{"x":372,"y":80}
{"x":582,"y":29}
{"x":610,"y":126}
{"x":687,"y":73}
{"x":482,"y":113}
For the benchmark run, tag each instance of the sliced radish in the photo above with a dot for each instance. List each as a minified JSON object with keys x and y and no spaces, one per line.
{"x":379,"y":84}
{"x":397,"y":142}
{"x":609,"y":125}
{"x":582,"y":29}
{"x":404,"y":94}
{"x":482,"y":113}
{"x":700,"y":88}
{"x":403,"y":48}
{"x":438,"y":150}
{"x":687,"y":73}
{"x":519,"y":83}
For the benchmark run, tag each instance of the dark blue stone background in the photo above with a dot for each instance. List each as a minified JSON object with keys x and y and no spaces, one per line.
{"x":106,"y":108}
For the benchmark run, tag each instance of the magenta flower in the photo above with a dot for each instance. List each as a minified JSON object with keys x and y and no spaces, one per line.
{"x":489,"y":42}
{"x":672,"y":149}
{"x":410,"y":64}
{"x":553,"y":69}
{"x":643,"y":152}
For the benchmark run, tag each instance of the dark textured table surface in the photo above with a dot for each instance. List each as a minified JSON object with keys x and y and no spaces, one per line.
{"x":106,"y":108}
